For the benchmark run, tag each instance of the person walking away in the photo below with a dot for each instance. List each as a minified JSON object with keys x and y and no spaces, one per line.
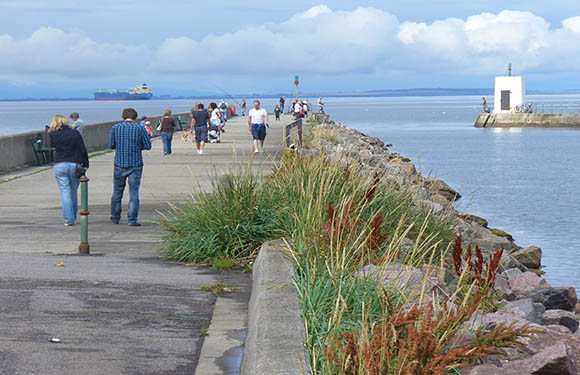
{"x":243,"y":107}
{"x":277,"y":113}
{"x":484,"y":104}
{"x":223,"y":109}
{"x":147,"y":125}
{"x":297,"y":110}
{"x":69,"y":156}
{"x":257,"y":123}
{"x":167,"y":129}
{"x":128,"y":139}
{"x":305,"y":108}
{"x":77,"y":123}
{"x":320,"y":105}
{"x":282,"y":101}
{"x":215,"y":124}
{"x":199,"y":124}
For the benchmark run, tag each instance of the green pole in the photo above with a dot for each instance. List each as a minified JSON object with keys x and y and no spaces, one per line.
{"x":84,"y":213}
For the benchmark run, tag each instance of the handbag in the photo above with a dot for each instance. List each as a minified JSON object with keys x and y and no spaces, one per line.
{"x":79,"y":171}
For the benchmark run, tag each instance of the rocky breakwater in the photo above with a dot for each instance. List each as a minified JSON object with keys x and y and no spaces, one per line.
{"x":524,"y":297}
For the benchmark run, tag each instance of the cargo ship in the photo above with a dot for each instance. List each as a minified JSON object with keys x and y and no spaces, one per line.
{"x":141,"y":92}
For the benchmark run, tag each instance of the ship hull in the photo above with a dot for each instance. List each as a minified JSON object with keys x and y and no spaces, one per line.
{"x":121,"y":96}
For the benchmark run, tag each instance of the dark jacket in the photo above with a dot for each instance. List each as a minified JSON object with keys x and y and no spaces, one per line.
{"x":69,"y":146}
{"x":168,"y":124}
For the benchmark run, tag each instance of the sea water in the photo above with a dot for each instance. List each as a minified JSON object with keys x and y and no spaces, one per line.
{"x":524,"y":181}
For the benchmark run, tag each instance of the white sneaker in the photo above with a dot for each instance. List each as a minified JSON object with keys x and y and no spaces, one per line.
{"x":256,"y":151}
{"x":201,"y":152}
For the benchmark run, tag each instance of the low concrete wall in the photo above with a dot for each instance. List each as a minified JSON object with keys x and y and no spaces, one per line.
{"x":16,"y":150}
{"x":276,"y":333}
{"x":527,"y":120}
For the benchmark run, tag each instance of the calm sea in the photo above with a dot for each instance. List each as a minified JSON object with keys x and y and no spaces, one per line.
{"x":524,"y":181}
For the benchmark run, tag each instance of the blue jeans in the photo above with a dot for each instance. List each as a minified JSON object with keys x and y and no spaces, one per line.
{"x":167,"y":137}
{"x":121,"y":174}
{"x":69,"y":187}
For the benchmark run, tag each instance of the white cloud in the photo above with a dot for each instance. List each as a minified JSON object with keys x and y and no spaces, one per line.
{"x":51,"y":52}
{"x":320,"y":40}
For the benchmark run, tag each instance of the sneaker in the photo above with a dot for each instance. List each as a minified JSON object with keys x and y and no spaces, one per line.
{"x":256,"y":151}
{"x":134,"y":224}
{"x":114,"y":221}
{"x":69,"y":224}
{"x":201,"y":152}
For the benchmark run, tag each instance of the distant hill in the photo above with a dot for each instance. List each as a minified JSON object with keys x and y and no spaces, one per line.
{"x":346,"y":94}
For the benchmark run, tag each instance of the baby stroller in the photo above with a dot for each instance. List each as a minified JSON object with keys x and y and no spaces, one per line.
{"x":214,"y":133}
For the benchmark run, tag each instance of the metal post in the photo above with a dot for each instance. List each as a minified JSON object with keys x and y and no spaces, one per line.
{"x":300,"y":132}
{"x":84,"y":212}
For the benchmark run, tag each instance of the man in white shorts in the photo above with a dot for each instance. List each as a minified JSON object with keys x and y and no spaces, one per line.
{"x":257,"y":123}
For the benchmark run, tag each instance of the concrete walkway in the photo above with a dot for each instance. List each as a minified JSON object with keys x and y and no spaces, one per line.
{"x":123,"y":310}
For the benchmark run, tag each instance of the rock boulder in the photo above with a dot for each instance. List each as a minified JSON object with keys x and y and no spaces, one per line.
{"x":530,"y":257}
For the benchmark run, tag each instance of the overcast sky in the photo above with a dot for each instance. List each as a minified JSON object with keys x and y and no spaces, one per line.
{"x":66,"y":47}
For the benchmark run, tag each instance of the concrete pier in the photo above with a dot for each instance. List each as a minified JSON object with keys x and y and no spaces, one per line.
{"x":527,"y":120}
{"x":122,"y":310}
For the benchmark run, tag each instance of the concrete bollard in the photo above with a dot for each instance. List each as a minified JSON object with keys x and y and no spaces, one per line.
{"x":84,"y":212}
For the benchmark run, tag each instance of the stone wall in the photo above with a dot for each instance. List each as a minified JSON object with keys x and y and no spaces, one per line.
{"x":527,"y":120}
{"x":525,"y":298}
{"x":16,"y":150}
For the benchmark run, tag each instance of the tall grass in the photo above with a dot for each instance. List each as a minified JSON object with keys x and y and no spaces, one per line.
{"x":237,"y":217}
{"x":340,"y":219}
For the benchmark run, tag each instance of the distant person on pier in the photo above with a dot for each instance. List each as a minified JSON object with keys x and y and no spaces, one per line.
{"x":70,"y":155}
{"x":199,"y":124}
{"x":320,"y":105}
{"x":77,"y":123}
{"x":168,"y":126}
{"x":298,"y":110}
{"x":215,"y":121}
{"x":243,"y":107}
{"x":147,"y":125}
{"x":282,"y":101}
{"x":223,"y":106}
{"x":277,"y":112}
{"x":484,"y":104}
{"x":257,"y":123}
{"x":128,"y":139}
{"x":305,"y":108}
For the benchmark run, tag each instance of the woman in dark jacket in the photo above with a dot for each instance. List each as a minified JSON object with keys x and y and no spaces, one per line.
{"x":70,"y":154}
{"x":167,"y":129}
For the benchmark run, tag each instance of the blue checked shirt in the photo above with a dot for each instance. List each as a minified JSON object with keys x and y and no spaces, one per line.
{"x":129,"y":139}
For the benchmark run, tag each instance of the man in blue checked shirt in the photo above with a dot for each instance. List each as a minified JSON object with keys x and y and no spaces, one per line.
{"x":129,"y":139}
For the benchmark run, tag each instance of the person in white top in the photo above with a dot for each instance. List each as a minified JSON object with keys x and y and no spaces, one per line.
{"x":298,"y":110}
{"x":257,"y":123}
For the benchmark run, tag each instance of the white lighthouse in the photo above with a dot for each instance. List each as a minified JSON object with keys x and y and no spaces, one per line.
{"x":509,"y":92}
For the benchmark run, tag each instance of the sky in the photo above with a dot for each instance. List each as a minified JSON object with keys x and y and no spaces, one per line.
{"x":179,"y":47}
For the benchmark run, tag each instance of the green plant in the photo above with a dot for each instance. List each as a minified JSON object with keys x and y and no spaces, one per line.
{"x":229,"y":223}
{"x":223,"y":262}
{"x":203,"y":333}
{"x":218,"y":289}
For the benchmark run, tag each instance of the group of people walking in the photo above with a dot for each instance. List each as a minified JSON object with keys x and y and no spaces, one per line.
{"x":129,"y":138}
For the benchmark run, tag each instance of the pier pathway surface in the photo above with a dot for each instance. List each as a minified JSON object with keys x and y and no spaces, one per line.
{"x":123,"y":309}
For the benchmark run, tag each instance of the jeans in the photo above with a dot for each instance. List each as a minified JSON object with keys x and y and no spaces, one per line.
{"x":69,"y":187}
{"x":167,"y":137}
{"x":121,"y":174}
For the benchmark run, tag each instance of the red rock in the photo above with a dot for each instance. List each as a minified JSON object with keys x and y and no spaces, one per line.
{"x":554,"y":360}
{"x":526,"y":282}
